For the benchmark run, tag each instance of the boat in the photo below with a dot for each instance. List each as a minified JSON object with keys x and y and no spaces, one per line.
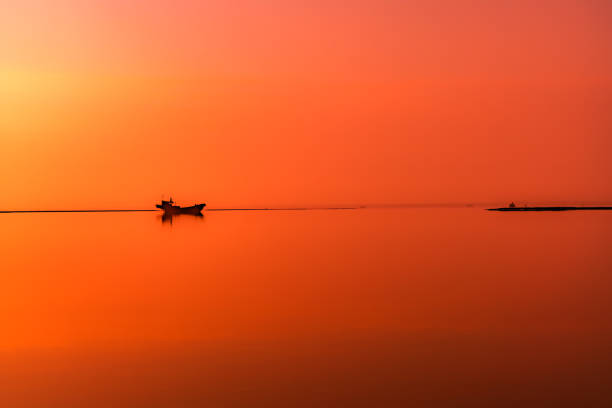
{"x":171,"y":209}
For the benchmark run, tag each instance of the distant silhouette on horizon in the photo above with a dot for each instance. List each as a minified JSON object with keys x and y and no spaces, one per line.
{"x":170,"y":208}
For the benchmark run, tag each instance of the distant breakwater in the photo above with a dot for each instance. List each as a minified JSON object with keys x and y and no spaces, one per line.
{"x":548,"y":208}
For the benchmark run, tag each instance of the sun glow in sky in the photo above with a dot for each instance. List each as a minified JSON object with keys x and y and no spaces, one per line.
{"x":246,"y":103}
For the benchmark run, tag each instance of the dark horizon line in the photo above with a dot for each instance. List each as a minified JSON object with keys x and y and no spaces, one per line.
{"x":311,"y":208}
{"x":68,"y":211}
{"x":208,"y":209}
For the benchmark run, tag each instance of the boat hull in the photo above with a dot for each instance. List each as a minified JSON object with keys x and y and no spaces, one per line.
{"x":175,"y":209}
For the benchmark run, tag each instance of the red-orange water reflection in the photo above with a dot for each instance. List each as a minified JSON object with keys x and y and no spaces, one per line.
{"x":428,"y":307}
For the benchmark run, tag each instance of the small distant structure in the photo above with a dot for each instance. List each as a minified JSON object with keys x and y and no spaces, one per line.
{"x":512,"y":205}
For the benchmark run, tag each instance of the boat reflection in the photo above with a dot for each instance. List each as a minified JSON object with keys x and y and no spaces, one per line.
{"x":168,"y":218}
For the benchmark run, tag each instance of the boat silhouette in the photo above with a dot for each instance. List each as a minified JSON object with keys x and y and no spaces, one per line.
{"x":171,"y":209}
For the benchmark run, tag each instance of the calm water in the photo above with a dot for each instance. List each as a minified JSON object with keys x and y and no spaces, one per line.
{"x":362,"y":308}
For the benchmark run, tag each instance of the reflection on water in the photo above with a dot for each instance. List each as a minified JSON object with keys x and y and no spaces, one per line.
{"x":371,"y":308}
{"x":167,"y":218}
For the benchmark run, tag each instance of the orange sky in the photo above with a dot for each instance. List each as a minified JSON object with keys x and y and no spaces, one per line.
{"x":248,"y":103}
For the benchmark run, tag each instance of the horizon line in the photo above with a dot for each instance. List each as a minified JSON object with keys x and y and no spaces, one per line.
{"x":304,"y":208}
{"x":156,"y":210}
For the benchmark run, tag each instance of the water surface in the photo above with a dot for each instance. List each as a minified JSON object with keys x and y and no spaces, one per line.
{"x":359,"y":308}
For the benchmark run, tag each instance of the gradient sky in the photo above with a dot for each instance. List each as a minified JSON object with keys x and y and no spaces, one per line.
{"x":270,"y":102}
